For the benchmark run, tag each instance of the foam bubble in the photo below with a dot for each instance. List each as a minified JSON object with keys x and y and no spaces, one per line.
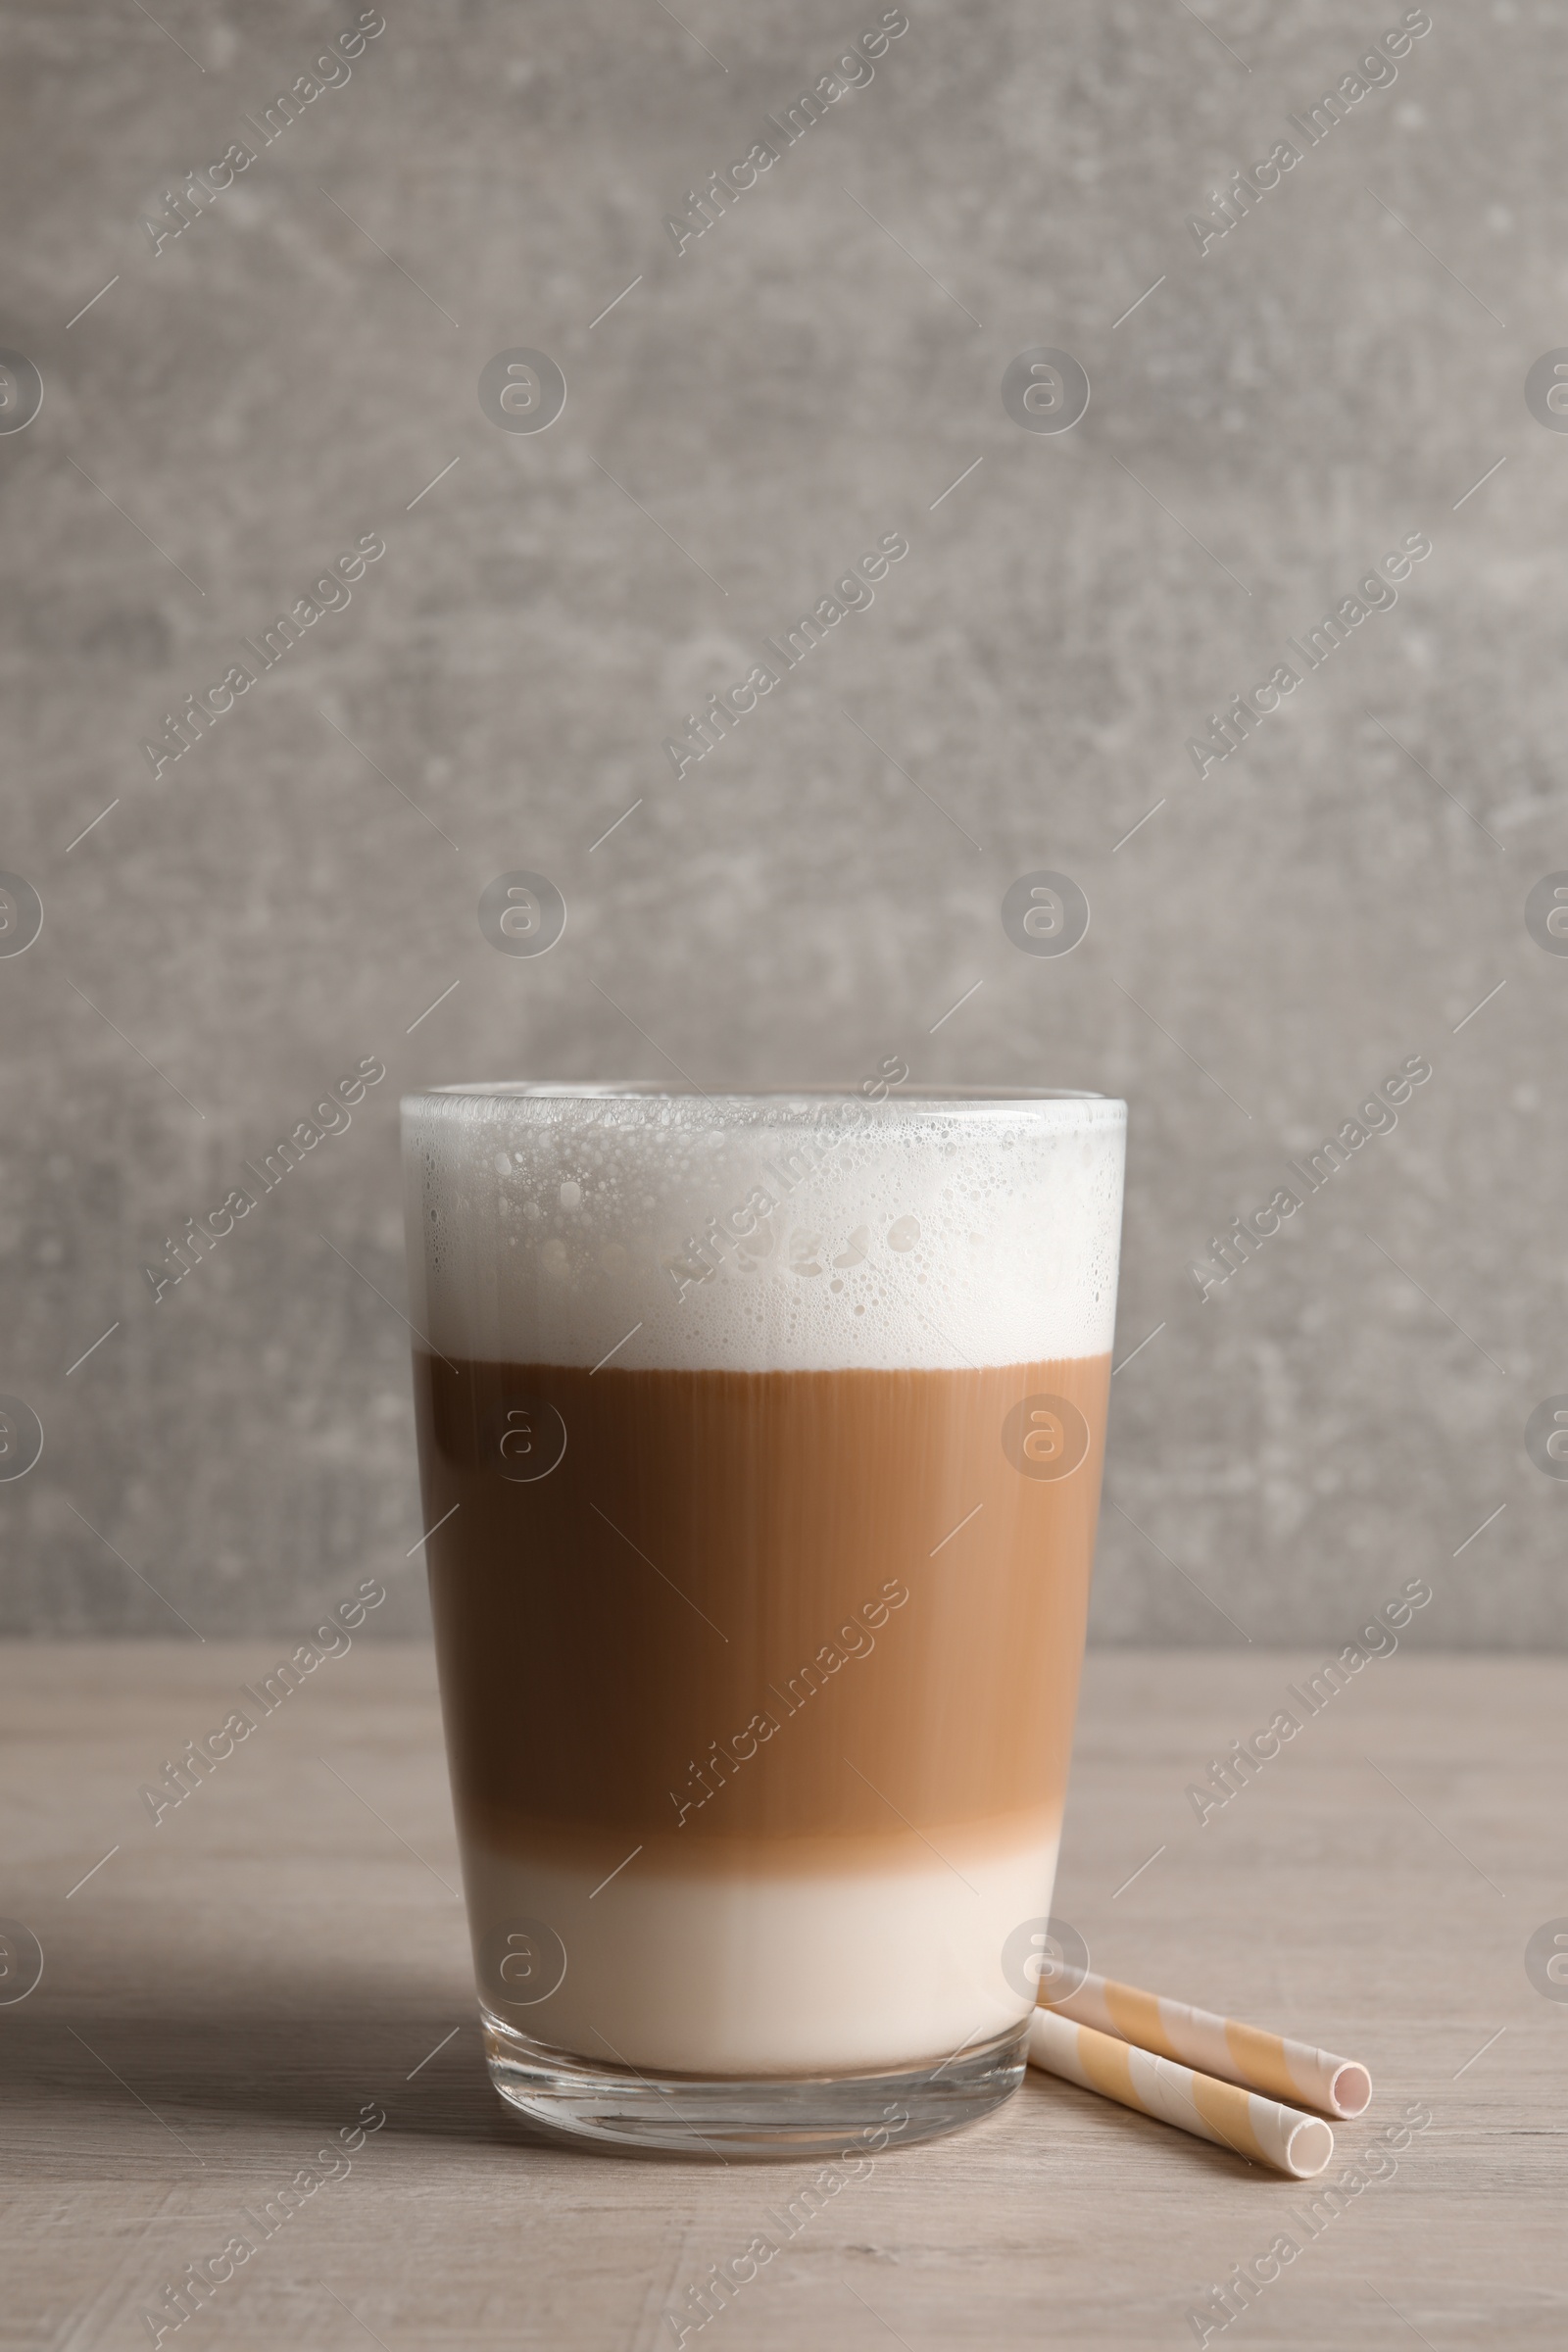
{"x":757,"y":1233}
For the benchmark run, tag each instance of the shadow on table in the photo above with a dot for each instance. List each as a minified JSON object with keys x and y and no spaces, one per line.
{"x":306,"y":2045}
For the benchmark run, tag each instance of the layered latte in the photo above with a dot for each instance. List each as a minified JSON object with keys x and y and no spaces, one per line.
{"x":761,"y":1557}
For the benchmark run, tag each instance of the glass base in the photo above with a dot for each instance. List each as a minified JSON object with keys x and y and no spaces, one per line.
{"x":772,"y":2116}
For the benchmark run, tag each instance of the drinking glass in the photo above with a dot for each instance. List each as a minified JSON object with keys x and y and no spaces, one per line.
{"x":761,"y":1439}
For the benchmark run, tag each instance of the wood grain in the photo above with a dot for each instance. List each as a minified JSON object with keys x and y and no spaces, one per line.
{"x":226,"y":1992}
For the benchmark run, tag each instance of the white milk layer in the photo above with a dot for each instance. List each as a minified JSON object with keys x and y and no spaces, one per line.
{"x":761,"y":1973}
{"x":755,"y":1233}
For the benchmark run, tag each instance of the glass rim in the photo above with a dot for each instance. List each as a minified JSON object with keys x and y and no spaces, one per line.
{"x":656,"y":1090}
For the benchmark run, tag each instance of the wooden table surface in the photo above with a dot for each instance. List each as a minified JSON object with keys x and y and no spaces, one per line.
{"x":283,"y":1954}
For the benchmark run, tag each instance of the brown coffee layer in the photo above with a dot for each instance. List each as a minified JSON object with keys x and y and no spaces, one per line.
{"x":757,"y":1608}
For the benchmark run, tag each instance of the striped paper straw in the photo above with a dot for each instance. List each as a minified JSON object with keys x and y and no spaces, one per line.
{"x":1260,"y":2129}
{"x":1218,"y":2045}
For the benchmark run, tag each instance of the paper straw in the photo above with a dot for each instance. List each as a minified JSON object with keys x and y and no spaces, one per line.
{"x":1218,"y":2045}
{"x":1260,"y":2129}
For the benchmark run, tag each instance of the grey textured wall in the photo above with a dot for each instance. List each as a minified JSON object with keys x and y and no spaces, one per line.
{"x":287,"y":376}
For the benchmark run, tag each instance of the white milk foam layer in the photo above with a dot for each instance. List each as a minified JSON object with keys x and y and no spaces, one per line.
{"x":793,"y":1973}
{"x":754,"y":1233}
